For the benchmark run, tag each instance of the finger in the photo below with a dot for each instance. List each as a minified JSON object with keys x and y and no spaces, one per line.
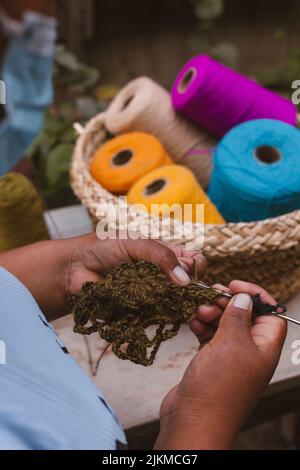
{"x":222,"y":301}
{"x":212,"y":313}
{"x":202,"y":331}
{"x":198,"y":327}
{"x":236,"y":320}
{"x":209,"y":313}
{"x":201,"y":264}
{"x":82,"y":276}
{"x":187,"y":258}
{"x":160,"y":254}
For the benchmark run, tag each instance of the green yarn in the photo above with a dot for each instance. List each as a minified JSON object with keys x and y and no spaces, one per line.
{"x":21,"y":213}
{"x":132,"y":298}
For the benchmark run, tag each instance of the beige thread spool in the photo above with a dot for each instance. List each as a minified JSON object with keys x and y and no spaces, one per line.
{"x":145,"y":106}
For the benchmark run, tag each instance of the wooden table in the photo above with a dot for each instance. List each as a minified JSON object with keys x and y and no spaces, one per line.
{"x":135,"y":392}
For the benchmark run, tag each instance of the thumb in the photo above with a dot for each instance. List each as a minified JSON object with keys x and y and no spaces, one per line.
{"x":236,"y":319}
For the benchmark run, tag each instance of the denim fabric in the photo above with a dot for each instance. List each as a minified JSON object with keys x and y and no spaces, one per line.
{"x":27,"y":73}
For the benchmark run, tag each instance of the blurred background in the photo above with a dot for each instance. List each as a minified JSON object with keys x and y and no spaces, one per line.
{"x":101,"y":45}
{"x":155,"y":37}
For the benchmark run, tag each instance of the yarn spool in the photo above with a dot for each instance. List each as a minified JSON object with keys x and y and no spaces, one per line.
{"x":145,"y":106}
{"x":175,"y":186}
{"x":268,"y":250}
{"x":21,"y":213}
{"x":218,"y":98}
{"x":122,"y":161}
{"x":254,"y":175}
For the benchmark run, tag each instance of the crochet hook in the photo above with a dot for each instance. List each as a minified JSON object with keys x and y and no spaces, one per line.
{"x":259,"y":307}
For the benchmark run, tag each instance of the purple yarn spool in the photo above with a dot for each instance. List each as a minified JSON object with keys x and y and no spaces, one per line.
{"x":218,"y":98}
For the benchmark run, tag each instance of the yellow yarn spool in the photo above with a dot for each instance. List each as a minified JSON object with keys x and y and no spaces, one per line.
{"x":174,"y":185}
{"x":21,"y":213}
{"x":122,"y":161}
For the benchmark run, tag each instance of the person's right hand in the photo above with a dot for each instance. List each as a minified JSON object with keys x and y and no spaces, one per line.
{"x":222,"y":384}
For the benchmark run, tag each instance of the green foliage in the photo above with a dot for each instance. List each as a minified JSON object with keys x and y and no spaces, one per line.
{"x":208,"y":9}
{"x":226,"y":52}
{"x":58,"y":165}
{"x":51,"y":154}
{"x":203,"y":40}
{"x":281,"y":77}
{"x":72,"y":72}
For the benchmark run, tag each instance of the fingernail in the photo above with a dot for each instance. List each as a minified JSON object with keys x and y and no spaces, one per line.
{"x":242,"y":301}
{"x":181,"y":275}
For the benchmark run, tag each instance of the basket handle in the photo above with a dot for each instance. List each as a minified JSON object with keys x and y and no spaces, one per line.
{"x":78,"y":128}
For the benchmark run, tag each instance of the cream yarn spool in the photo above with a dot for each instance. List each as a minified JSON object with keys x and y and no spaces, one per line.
{"x":145,"y":106}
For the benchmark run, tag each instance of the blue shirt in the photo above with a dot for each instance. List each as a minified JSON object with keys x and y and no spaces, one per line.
{"x":46,"y":401}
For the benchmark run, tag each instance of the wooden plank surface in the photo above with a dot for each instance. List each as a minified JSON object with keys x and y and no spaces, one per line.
{"x":135,"y":392}
{"x":68,"y":222}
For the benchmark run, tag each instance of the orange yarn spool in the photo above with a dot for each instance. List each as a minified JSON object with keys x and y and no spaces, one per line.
{"x":122,"y":161}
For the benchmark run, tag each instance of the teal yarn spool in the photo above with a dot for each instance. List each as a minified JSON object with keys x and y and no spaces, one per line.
{"x":256,"y":171}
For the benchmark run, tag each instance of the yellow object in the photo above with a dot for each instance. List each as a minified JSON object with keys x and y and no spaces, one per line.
{"x":21,"y":213}
{"x":122,"y":161}
{"x":106,"y":92}
{"x":174,"y":185}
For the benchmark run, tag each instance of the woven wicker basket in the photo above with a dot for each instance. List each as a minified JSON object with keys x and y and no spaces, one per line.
{"x":265,"y":252}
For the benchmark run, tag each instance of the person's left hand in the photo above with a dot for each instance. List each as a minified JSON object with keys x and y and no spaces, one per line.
{"x":92,"y":257}
{"x":53,"y":270}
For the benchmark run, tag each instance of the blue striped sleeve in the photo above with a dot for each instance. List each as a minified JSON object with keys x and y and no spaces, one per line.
{"x":46,"y":400}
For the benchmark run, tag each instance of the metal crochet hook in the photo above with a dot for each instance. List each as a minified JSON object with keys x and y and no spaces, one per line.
{"x":278,"y":310}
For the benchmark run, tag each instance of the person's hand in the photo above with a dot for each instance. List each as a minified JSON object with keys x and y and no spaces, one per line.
{"x":92,"y":257}
{"x":224,"y":381}
{"x":53,"y":270}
